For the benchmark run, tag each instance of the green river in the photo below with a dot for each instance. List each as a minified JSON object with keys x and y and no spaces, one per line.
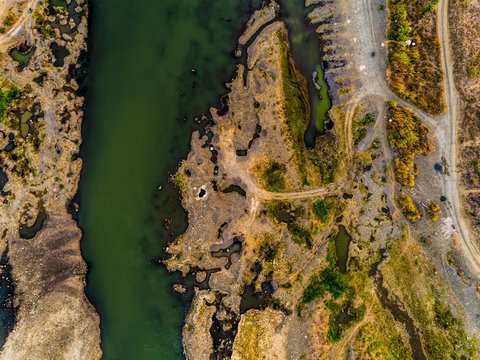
{"x":141,"y":102}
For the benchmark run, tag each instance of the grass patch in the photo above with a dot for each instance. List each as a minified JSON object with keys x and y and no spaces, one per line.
{"x":408,"y":136}
{"x":415,"y":72}
{"x":299,"y":234}
{"x":322,"y":208}
{"x":443,"y":335}
{"x":314,"y":166}
{"x":273,"y":176}
{"x":342,"y":312}
{"x":296,"y":106}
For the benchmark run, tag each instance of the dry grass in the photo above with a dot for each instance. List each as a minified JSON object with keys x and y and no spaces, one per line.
{"x":415,"y":71}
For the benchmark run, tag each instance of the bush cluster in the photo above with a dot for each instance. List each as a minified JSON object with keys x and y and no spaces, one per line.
{"x":415,"y":71}
{"x":359,"y":127}
{"x":274,"y":176}
{"x":408,"y":136}
{"x":322,"y":208}
{"x":408,"y":207}
{"x":434,"y":210}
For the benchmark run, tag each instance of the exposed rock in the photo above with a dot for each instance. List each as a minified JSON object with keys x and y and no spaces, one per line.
{"x":179,"y":288}
{"x":200,"y":276}
{"x":261,"y":335}
{"x":197,"y":342}
{"x":258,"y":19}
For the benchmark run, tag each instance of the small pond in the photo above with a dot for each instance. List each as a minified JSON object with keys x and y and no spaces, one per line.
{"x":29,"y":232}
{"x":342,"y":241}
{"x":60,"y":53}
{"x":22,"y":57}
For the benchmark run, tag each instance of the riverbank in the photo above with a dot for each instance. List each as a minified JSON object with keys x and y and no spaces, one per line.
{"x":263,"y":227}
{"x":40,"y":138}
{"x":174,"y":60}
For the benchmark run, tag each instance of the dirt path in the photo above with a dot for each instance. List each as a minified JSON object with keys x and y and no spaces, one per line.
{"x":21,"y":28}
{"x":443,"y":126}
{"x":450,"y":183}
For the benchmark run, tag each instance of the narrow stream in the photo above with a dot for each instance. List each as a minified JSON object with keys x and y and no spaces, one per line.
{"x":306,"y":50}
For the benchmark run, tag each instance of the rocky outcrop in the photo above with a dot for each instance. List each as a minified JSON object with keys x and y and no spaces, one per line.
{"x":261,"y":335}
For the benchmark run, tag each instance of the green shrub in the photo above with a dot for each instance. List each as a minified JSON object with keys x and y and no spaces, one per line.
{"x":6,"y":99}
{"x":408,"y":136}
{"x":314,"y":290}
{"x":415,"y":72}
{"x":300,"y":235}
{"x":334,"y":284}
{"x":322,"y":208}
{"x":399,"y":24}
{"x":368,"y":120}
{"x":434,"y":210}
{"x":274,"y":176}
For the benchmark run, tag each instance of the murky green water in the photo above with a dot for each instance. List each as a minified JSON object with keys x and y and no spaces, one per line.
{"x":142,"y":88}
{"x":306,"y":49}
{"x":22,"y":58}
{"x":142,"y":98}
{"x":342,"y":241}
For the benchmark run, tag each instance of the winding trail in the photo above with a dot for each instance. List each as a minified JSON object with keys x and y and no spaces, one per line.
{"x":450,"y":184}
{"x":22,"y":27}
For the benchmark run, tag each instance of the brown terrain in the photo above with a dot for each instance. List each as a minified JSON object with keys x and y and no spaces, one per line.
{"x":268,"y":216}
{"x":465,"y":34}
{"x":265,"y":213}
{"x":40,"y":134}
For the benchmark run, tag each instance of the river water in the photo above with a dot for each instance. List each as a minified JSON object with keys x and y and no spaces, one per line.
{"x":142,"y":98}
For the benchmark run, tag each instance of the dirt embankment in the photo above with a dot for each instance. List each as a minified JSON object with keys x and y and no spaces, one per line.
{"x":42,"y":91}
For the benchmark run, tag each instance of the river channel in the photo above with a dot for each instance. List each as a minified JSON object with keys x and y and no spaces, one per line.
{"x":155,"y":65}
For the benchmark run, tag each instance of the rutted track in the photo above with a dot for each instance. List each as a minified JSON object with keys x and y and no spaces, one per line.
{"x":450,"y":147}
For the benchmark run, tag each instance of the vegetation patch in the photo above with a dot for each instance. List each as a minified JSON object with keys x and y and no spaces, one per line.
{"x":415,"y":71}
{"x":360,"y":127}
{"x":443,"y":335}
{"x":7,"y":99}
{"x":42,"y":25}
{"x":409,"y":275}
{"x":408,"y":136}
{"x":283,"y":212}
{"x":317,"y":165}
{"x":269,"y":248}
{"x":408,"y":208}
{"x":434,"y":210}
{"x":324,"y":209}
{"x":342,"y":312}
{"x":296,"y":106}
{"x":273,"y":176}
